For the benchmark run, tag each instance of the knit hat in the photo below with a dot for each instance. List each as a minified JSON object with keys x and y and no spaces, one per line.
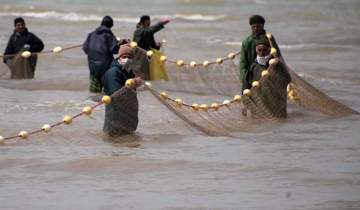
{"x":19,"y":20}
{"x":125,"y":50}
{"x":262,"y":40}
{"x":107,"y":21}
{"x":256,"y":19}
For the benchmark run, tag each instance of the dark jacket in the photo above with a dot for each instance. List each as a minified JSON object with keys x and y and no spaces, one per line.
{"x":144,"y":37}
{"x":254,"y":74}
{"x":100,"y":45}
{"x":248,"y":52}
{"x":115,"y":77}
{"x":17,"y":41}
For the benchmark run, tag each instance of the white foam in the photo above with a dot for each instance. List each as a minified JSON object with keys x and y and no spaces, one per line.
{"x":72,"y":16}
{"x":195,"y":17}
{"x":233,"y":43}
{"x":75,"y":17}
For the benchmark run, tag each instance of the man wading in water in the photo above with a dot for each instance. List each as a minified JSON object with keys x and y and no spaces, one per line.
{"x":248,"y":49}
{"x":100,"y":46}
{"x":121,"y":115}
{"x":144,"y":37}
{"x":22,"y":40}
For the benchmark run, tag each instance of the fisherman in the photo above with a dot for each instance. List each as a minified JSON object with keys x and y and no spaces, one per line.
{"x":121,"y":115}
{"x":273,"y":94}
{"x":261,"y":62}
{"x":120,"y":71}
{"x":22,"y":40}
{"x":144,"y":37}
{"x":248,"y":52}
{"x":100,"y":45}
{"x":144,"y":33}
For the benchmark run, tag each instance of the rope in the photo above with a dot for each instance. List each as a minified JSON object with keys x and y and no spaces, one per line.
{"x":67,"y":120}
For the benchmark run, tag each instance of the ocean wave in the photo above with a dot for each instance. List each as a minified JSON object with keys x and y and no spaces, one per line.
{"x":233,"y":43}
{"x":332,"y":80}
{"x":196,"y":17}
{"x":76,"y":17}
{"x":65,"y":16}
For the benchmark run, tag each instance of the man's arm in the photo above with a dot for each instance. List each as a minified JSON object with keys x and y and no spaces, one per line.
{"x":157,"y":27}
{"x":36,"y":44}
{"x":244,"y":63}
{"x":85,"y":46}
{"x":9,"y":50}
{"x":113,"y":44}
{"x":247,"y":79}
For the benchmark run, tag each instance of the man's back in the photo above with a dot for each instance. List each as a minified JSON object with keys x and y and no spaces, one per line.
{"x":101,"y":44}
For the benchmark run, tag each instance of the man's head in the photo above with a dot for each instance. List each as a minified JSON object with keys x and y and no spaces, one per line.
{"x":257,"y":23}
{"x":145,"y":21}
{"x":107,"y":21}
{"x":125,"y":53}
{"x":19,"y":24}
{"x":262,"y":46}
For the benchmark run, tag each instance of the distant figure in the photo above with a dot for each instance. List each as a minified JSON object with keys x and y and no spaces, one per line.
{"x":261,"y":62}
{"x":144,"y":37}
{"x":144,"y":33}
{"x":121,"y":115}
{"x":100,"y":45}
{"x":248,"y":52}
{"x":22,"y":40}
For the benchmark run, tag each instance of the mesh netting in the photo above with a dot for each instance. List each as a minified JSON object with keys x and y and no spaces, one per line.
{"x":121,"y":115}
{"x":20,"y":68}
{"x":215,"y":79}
{"x":307,"y":96}
{"x":267,"y":102}
{"x":213,"y":86}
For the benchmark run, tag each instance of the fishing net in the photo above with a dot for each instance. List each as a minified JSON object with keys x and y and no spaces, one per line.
{"x":311,"y":98}
{"x":23,"y":68}
{"x":209,"y":98}
{"x":223,"y":114}
{"x":121,"y":115}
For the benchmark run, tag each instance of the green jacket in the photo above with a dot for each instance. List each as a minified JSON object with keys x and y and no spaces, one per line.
{"x":248,"y":53}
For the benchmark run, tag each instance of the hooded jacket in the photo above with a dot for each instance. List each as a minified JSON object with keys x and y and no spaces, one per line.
{"x":100,"y":45}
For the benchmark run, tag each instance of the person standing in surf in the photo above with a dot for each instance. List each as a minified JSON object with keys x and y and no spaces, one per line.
{"x":261,"y":62}
{"x":22,"y":40}
{"x":121,"y":115}
{"x":120,"y":71}
{"x":144,"y":33}
{"x":100,"y":46}
{"x":144,"y":37}
{"x":248,"y":46}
